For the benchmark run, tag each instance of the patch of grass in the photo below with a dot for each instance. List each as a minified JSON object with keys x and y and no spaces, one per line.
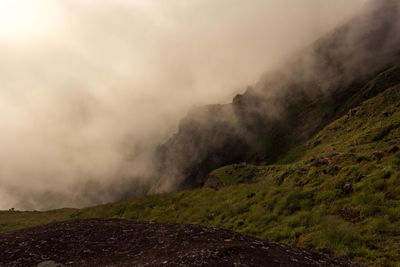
{"x":14,"y":220}
{"x":339,"y":237}
{"x":238,"y":174}
{"x":300,"y":200}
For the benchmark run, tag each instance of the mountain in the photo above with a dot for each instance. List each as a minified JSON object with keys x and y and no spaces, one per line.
{"x":309,"y":156}
{"x":287,"y":106}
{"x":338,"y":192}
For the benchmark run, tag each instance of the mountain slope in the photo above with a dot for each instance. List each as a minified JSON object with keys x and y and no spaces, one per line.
{"x":339,"y":195}
{"x":289,"y":105}
{"x":309,"y":156}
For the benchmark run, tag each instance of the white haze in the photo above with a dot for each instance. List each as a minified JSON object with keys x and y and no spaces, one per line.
{"x":84,"y":102}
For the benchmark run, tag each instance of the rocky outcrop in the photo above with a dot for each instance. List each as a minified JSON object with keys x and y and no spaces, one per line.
{"x":115,"y":242}
{"x":289,"y":105}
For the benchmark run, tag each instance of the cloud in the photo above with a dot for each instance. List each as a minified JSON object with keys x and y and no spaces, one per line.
{"x":84,"y":104}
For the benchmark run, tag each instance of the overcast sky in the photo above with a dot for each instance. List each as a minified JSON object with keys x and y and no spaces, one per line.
{"x":88,"y":88}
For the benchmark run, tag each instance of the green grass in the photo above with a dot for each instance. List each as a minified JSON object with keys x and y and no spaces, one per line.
{"x":242,"y":173}
{"x":302,"y":203}
{"x":10,"y":221}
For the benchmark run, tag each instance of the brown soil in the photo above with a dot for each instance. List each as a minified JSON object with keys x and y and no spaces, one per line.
{"x":116,"y":242}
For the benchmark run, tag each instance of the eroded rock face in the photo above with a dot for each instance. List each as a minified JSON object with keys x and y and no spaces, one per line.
{"x":207,"y":139}
{"x":115,"y":242}
{"x":287,"y":106}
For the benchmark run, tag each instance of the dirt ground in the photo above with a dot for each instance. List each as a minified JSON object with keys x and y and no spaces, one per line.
{"x":116,"y":242}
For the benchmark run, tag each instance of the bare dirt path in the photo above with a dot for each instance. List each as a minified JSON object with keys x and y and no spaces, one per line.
{"x":116,"y":242}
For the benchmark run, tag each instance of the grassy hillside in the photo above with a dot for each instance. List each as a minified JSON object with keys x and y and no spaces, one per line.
{"x":288,"y":105}
{"x":338,"y":193}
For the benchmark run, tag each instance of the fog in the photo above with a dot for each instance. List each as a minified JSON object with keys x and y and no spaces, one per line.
{"x":88,"y":89}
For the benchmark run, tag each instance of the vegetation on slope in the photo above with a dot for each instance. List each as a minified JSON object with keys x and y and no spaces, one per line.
{"x":287,"y":106}
{"x":338,"y":193}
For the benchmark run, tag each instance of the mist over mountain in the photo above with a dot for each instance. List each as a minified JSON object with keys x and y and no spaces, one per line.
{"x":143,"y":123}
{"x":288,"y":105}
{"x":90,"y":90}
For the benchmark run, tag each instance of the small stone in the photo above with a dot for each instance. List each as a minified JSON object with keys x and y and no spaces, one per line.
{"x":347,"y":189}
{"x":393,"y":150}
{"x":251,"y":195}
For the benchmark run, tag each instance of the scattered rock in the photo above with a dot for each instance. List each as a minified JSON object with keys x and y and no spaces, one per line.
{"x":359,"y":178}
{"x":392,"y":196}
{"x":361,"y":159}
{"x":388,"y":113}
{"x":378,"y":155}
{"x":116,"y":242}
{"x":347,"y":189}
{"x":319,"y":163}
{"x":382,"y":132}
{"x":352,"y":112}
{"x":387,"y":175}
{"x":350,"y":215}
{"x":251,"y":195}
{"x":331,"y":156}
{"x":393,"y":150}
{"x":316,"y":143}
{"x":310,"y":161}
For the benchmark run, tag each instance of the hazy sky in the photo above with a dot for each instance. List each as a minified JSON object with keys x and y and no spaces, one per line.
{"x":88,"y":88}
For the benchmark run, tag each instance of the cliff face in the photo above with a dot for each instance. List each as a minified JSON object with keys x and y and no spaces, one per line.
{"x":207,"y":138}
{"x":289,"y":105}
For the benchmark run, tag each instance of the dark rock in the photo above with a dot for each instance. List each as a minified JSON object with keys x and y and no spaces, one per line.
{"x":393,"y":150}
{"x":311,"y":160}
{"x":387,"y":175}
{"x":392,"y":196}
{"x":351,"y":112}
{"x":319,"y":163}
{"x":350,"y":215}
{"x":359,"y":178}
{"x":361,"y":159}
{"x":331,"y":156}
{"x":347,"y":189}
{"x":217,"y":135}
{"x":116,"y":242}
{"x":378,"y":155}
{"x":316,"y":143}
{"x":251,"y":195}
